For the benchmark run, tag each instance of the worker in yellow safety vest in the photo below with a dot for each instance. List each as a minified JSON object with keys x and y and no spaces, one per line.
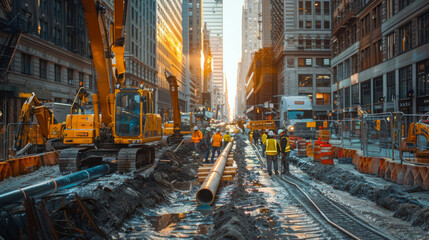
{"x":196,"y":138}
{"x":216,"y":143}
{"x":271,"y":151}
{"x":263,"y":140}
{"x":226,"y":138}
{"x":285,"y":151}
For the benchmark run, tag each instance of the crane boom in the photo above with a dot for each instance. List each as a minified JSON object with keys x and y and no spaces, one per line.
{"x":102,"y":64}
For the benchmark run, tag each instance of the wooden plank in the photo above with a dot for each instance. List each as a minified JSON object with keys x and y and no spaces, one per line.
{"x":228,"y":168}
{"x":204,"y":169}
{"x":227,"y":178}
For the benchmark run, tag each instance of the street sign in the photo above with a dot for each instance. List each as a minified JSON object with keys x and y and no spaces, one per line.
{"x":377,"y":125}
{"x":311,"y":124}
{"x":325,"y":124}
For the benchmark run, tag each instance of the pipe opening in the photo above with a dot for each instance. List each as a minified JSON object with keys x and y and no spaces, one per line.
{"x":204,"y":197}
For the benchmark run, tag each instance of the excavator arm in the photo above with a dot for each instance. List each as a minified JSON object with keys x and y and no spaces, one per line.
{"x":174,"y":91}
{"x":45,"y":117}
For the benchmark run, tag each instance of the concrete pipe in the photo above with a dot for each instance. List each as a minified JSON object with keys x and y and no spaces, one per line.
{"x":207,"y":193}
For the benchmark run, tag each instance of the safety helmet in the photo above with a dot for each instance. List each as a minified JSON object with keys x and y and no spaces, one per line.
{"x":227,"y":131}
{"x":280,"y":131}
{"x":208,"y":129}
{"x":217,"y":130}
{"x":271,"y":134}
{"x":266,"y":130}
{"x":195,"y":128}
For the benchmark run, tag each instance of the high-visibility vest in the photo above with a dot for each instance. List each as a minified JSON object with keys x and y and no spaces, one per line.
{"x":227,"y":138}
{"x":287,"y":145}
{"x":217,"y":140}
{"x":271,"y":149}
{"x":264,"y":138}
{"x":196,"y":136}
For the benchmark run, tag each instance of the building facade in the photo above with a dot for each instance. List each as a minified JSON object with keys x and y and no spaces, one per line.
{"x":170,"y":58}
{"x":140,"y":45}
{"x":261,"y":85}
{"x":213,"y":17}
{"x":251,"y":35}
{"x":301,"y":33}
{"x":51,"y":57}
{"x":196,"y":45}
{"x":383,"y":66}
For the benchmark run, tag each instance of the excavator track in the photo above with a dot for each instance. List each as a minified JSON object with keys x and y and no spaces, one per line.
{"x":130,"y":159}
{"x":69,"y":160}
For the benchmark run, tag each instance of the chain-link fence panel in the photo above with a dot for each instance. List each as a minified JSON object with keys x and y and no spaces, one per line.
{"x":377,"y":138}
{"x":350,"y":133}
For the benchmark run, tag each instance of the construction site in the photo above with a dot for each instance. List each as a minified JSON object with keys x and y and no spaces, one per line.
{"x":109,"y":165}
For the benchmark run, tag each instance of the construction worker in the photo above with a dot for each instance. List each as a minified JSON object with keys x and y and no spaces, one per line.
{"x":285,"y":150}
{"x":271,"y":151}
{"x":196,"y":138}
{"x":216,"y":144}
{"x":263,"y":140}
{"x":256,"y":136}
{"x":226,"y":138}
{"x":206,"y":141}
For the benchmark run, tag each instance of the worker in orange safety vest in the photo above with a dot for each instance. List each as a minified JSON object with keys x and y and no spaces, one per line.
{"x":196,"y":138}
{"x":216,"y":143}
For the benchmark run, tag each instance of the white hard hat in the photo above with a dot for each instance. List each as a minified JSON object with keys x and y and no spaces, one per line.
{"x":227,"y":131}
{"x":271,"y":134}
{"x":195,"y":128}
{"x":208,"y":129}
{"x":280,"y":131}
{"x":217,"y":130}
{"x":266,"y":130}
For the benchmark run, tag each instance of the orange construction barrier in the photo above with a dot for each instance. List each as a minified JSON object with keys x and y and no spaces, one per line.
{"x":5,"y":170}
{"x":309,"y":149}
{"x":326,"y":154}
{"x":301,"y":148}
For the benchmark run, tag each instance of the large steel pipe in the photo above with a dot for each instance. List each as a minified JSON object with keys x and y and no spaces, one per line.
{"x":207,"y":193}
{"x":53,"y":185}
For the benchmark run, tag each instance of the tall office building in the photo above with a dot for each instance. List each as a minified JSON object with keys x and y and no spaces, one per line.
{"x":170,"y":58}
{"x":213,"y":17}
{"x":301,"y":32}
{"x":140,"y":45}
{"x":196,"y":42}
{"x":251,"y":37}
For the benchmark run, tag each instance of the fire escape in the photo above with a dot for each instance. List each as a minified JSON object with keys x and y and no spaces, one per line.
{"x":14,"y":25}
{"x":345,"y":15}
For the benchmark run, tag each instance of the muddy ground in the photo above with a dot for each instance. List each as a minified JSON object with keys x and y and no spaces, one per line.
{"x":390,"y":196}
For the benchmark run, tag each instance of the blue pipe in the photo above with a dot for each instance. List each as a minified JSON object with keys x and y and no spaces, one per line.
{"x":53,"y":185}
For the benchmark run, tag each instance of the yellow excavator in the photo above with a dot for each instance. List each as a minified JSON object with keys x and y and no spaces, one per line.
{"x":27,"y":134}
{"x":124,"y":125}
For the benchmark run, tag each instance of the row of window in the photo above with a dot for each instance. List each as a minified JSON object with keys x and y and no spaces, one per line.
{"x":317,"y":25}
{"x":321,"y":98}
{"x":308,"y":9}
{"x":405,"y":87}
{"x":308,"y":62}
{"x":371,"y":21}
{"x":307,"y":44}
{"x":401,"y":40}
{"x":27,"y":66}
{"x":306,"y":80}
{"x":393,"y":8}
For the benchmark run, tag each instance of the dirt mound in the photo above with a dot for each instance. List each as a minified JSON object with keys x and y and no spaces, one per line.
{"x":389,"y":197}
{"x":231,"y":222}
{"x":112,"y":206}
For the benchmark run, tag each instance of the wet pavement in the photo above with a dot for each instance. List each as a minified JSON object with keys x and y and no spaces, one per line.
{"x":277,"y":214}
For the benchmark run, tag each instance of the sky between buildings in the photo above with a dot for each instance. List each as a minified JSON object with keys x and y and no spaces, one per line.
{"x":232,"y":10}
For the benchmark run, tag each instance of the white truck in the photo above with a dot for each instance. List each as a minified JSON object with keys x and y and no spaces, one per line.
{"x":295,"y":112}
